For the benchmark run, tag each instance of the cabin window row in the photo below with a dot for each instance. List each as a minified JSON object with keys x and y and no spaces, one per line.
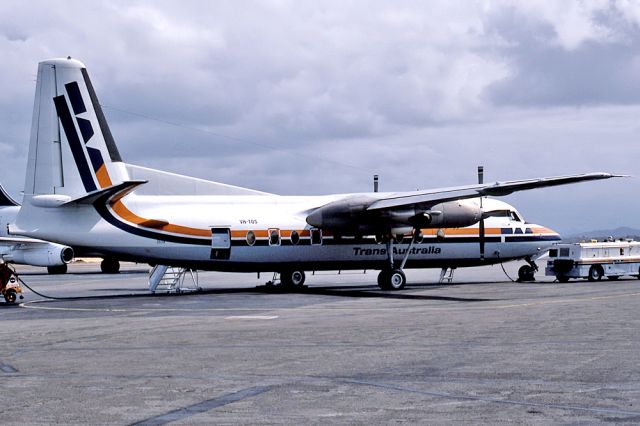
{"x":294,"y":238}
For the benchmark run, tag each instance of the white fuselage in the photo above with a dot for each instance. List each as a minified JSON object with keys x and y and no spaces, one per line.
{"x":177,"y":230}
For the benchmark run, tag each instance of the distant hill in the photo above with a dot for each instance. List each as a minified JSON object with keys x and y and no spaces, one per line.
{"x":602,"y":234}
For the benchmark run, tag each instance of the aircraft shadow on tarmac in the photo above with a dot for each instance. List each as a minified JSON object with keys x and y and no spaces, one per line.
{"x":350,"y":291}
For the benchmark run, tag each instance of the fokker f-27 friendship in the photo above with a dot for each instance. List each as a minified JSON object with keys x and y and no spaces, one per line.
{"x":79,"y":192}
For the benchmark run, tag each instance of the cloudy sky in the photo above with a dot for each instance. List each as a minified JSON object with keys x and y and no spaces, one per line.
{"x":308,"y":97}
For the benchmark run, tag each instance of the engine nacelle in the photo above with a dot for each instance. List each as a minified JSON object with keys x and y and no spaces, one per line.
{"x":351,"y":215}
{"x":45,"y":254}
{"x":452,"y":214}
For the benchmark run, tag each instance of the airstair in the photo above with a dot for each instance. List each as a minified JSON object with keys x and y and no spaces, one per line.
{"x":446,"y":275}
{"x":170,"y":279}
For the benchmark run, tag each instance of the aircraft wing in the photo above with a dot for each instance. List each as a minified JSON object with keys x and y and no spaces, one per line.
{"x":376,"y":211}
{"x":436,"y":196}
{"x":21,"y":240}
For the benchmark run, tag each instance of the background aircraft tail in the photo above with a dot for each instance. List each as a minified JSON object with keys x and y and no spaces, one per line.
{"x":71,"y":151}
{"x":5,"y":199}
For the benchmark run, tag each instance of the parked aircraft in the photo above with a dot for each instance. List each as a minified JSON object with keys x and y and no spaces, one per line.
{"x":79,"y":192}
{"x":28,"y":251}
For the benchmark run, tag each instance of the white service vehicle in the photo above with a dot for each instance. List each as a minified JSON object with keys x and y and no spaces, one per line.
{"x":593,"y":260}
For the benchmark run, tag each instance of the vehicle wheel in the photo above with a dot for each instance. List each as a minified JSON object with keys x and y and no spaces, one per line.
{"x":613,"y":277}
{"x":110,"y":266}
{"x":57,"y":269}
{"x":595,"y":273}
{"x":562,"y":278}
{"x":292,"y":279}
{"x":526,"y":273}
{"x":383,"y":280}
{"x":10,"y":296}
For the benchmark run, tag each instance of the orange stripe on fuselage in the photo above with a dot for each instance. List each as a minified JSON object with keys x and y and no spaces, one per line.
{"x":121,"y":210}
{"x":103,"y":177}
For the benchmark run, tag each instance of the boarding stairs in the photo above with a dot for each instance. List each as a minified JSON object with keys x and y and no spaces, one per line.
{"x":446,"y":275}
{"x":171,"y":279}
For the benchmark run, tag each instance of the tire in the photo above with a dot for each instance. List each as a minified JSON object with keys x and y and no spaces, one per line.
{"x":526,"y":273}
{"x":595,"y":273}
{"x":10,"y":296}
{"x":397,"y":280}
{"x":292,"y":279}
{"x":562,"y":278}
{"x":110,"y":266}
{"x":383,"y":280}
{"x":57,"y":269}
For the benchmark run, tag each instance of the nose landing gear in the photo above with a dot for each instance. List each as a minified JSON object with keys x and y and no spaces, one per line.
{"x":526,"y":273}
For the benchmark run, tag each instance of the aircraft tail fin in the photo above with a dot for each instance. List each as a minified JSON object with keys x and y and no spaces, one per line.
{"x":5,"y":198}
{"x":71,"y":151}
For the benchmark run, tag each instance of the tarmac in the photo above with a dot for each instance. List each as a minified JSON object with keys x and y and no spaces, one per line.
{"x":482,"y":350}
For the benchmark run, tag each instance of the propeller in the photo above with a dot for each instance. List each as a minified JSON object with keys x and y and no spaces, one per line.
{"x":481,"y":224}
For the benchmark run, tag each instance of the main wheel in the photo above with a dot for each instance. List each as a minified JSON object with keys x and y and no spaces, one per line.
{"x":292,"y":279}
{"x":58,"y":269}
{"x":10,"y":296}
{"x":397,"y":280}
{"x":110,"y":265}
{"x":383,"y":280}
{"x":391,"y":280}
{"x":526,"y":273}
{"x":595,"y":273}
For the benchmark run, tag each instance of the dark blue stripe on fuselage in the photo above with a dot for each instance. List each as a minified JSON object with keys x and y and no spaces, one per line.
{"x":76,"y":146}
{"x":105,"y":213}
{"x":75,"y":97}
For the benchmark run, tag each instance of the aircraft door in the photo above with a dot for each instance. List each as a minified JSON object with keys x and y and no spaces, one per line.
{"x":220,"y":243}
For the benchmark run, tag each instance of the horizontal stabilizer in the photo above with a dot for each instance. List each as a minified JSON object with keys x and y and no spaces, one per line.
{"x":120,"y":190}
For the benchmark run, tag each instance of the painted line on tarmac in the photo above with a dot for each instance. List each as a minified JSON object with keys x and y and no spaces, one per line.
{"x":251,"y":317}
{"x":203,"y":406}
{"x":491,"y":399}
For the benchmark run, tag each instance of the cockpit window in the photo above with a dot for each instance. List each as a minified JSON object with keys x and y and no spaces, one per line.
{"x":511,"y":214}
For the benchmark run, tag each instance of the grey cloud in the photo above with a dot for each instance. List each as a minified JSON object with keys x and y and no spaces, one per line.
{"x":544,"y":73}
{"x":314,"y":97}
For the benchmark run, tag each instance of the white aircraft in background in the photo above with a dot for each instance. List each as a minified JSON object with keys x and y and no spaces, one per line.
{"x":28,"y":251}
{"x":79,"y":192}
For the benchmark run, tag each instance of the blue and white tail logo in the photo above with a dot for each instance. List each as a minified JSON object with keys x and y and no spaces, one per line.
{"x":72,"y":151}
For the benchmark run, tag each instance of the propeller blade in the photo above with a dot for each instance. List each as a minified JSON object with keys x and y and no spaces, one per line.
{"x":481,"y":239}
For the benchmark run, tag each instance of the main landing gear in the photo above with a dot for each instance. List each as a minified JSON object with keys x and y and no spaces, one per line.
{"x":392,"y":277}
{"x":290,"y":280}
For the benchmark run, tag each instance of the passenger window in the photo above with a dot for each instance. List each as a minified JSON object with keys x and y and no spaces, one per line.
{"x":295,"y":238}
{"x":251,"y":238}
{"x":274,"y":237}
{"x":564,"y":252}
